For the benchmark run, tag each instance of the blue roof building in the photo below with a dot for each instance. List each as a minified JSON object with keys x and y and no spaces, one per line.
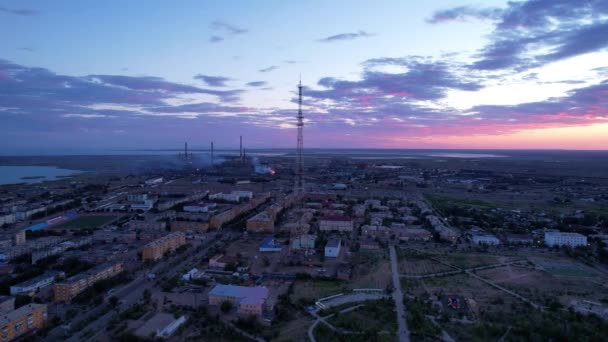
{"x":271,"y":244}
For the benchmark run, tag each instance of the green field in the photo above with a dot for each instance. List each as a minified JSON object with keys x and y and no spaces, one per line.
{"x":87,"y":222}
{"x":569,"y":272}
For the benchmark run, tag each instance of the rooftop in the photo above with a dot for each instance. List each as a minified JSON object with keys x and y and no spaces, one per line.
{"x":333,"y":243}
{"x":18,"y":313}
{"x":246,"y":295}
{"x":335,"y":218}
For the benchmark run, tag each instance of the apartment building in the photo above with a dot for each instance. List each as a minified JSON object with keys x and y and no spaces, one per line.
{"x":22,"y":321}
{"x":157,"y":248}
{"x":36,"y":284}
{"x":67,"y":290}
{"x":336,"y":223}
{"x":565,"y":239}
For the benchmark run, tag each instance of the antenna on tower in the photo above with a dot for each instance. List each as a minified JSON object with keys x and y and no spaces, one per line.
{"x":212,"y":154}
{"x":299,"y":188}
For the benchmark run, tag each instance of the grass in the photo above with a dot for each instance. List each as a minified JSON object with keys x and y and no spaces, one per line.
{"x":569,"y":272}
{"x":379,"y":316}
{"x":87,"y":222}
{"x":314,"y":289}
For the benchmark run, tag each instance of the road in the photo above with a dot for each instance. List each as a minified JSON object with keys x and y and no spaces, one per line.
{"x":403,"y":333}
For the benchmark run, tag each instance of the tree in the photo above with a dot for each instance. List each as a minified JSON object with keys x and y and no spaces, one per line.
{"x":114,"y":301}
{"x":226,"y":306}
{"x":147,"y":295}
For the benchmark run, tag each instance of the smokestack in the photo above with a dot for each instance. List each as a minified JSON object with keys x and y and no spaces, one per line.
{"x":241,"y":149}
{"x":212,"y":153}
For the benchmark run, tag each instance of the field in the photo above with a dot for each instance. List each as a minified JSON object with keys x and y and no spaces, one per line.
{"x":564,"y":268}
{"x":471,"y":260}
{"x":544,"y":288}
{"x":421,"y":267}
{"x":87,"y":222}
{"x":372,"y":270}
{"x":311,"y":290}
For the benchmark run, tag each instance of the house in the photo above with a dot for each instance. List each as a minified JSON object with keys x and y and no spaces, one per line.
{"x":332,"y":248}
{"x":247,"y":300}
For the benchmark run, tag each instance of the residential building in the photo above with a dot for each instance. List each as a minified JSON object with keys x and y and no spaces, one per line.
{"x":157,"y":248}
{"x":247,"y":300}
{"x":261,"y":222}
{"x":36,"y":284}
{"x":332,"y":248}
{"x":336,"y":223}
{"x":565,"y":239}
{"x":7,"y":304}
{"x":519,"y":238}
{"x":192,"y":226}
{"x":22,"y":321}
{"x":66,"y":290}
{"x":234,"y":196}
{"x":413,"y":234}
{"x":200,"y":207}
{"x":485,"y":239}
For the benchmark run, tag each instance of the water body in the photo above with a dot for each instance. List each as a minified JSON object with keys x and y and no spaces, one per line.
{"x":32,"y":174}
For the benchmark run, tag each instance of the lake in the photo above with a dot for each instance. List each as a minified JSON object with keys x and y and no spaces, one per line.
{"x":32,"y":174}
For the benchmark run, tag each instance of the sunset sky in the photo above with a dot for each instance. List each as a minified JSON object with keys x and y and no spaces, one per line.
{"x":102,"y":75}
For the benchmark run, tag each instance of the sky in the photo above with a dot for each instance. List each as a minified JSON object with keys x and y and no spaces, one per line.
{"x":80,"y":76}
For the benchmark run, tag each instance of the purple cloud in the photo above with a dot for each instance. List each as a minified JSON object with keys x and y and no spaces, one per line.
{"x":213,"y":81}
{"x":531,"y":33}
{"x":462,"y":13}
{"x":257,"y":84}
{"x":345,"y":36}
{"x":269,"y":69}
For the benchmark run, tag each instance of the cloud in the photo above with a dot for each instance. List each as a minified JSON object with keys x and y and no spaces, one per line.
{"x":462,"y":13}
{"x":215,"y":39}
{"x":424,"y":80}
{"x":225,"y":30}
{"x":228,"y":28}
{"x":531,"y":33}
{"x":25,"y":48}
{"x":345,"y":36}
{"x":213,"y":81}
{"x":269,"y":69}
{"x":379,"y":109}
{"x":257,"y":84}
{"x":20,"y":11}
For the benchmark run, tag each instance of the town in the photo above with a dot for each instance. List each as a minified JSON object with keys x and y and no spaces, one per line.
{"x":423,"y":249}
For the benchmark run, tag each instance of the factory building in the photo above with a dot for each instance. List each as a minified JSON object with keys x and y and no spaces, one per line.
{"x":22,"y":321}
{"x":157,"y":248}
{"x":565,"y":239}
{"x":68,"y":289}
